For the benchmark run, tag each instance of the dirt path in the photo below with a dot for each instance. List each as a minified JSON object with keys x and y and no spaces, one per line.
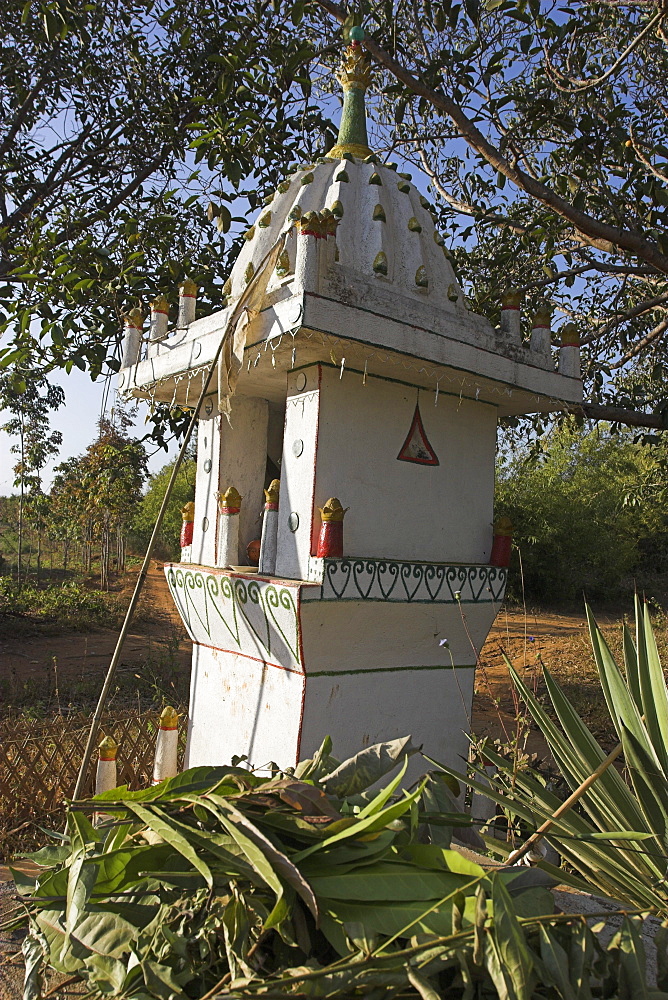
{"x":560,"y":640}
{"x":71,"y":665}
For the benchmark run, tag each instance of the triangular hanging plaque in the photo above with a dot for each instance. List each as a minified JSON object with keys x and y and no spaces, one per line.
{"x":416,"y":448}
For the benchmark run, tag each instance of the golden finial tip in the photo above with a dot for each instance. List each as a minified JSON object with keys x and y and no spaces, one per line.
{"x":230,"y":498}
{"x":135,"y":318}
{"x":503,"y":526}
{"x":160,"y":304}
{"x":169,"y":718}
{"x":570,"y":335}
{"x":108,"y":748}
{"x":272,"y":493}
{"x":511,"y":298}
{"x":333,"y":511}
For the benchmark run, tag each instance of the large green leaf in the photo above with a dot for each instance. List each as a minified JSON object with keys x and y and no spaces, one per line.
{"x":103,"y":934}
{"x":161,"y":824}
{"x":621,"y":706}
{"x":653,"y":686}
{"x":261,"y":852}
{"x":389,"y":881}
{"x":391,"y":917}
{"x":367,"y":767}
{"x":512,"y":947}
{"x":555,"y":961}
{"x":366,"y":826}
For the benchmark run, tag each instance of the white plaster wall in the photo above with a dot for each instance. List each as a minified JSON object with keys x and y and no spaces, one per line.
{"x":243,"y":460}
{"x":358,"y":710}
{"x":298,"y":474}
{"x":357,"y":635}
{"x":205,"y":526}
{"x":242,"y":706}
{"x":400,"y":510}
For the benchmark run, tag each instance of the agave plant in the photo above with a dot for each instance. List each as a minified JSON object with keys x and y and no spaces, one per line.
{"x":617,"y":836}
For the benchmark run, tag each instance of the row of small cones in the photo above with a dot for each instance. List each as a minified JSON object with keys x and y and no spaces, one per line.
{"x":166,"y":750}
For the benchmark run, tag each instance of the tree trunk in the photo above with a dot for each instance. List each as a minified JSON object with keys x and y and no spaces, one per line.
{"x":39,"y":552}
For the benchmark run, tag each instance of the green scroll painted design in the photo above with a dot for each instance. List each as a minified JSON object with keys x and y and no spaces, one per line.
{"x":252,"y":617}
{"x":408,"y":582}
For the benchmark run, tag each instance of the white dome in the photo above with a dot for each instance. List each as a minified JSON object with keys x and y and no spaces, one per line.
{"x":385,"y":230}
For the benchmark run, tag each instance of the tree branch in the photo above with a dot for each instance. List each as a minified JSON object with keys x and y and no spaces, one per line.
{"x":638,"y":310}
{"x":476,"y":211}
{"x":598,"y":234}
{"x":580,"y":86}
{"x":644,"y":342}
{"x":24,"y":110}
{"x":618,"y":415}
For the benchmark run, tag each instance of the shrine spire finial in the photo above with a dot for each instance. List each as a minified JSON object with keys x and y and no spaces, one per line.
{"x":354,"y":75}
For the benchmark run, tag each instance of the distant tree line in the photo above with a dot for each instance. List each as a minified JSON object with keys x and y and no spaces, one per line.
{"x":93,"y":497}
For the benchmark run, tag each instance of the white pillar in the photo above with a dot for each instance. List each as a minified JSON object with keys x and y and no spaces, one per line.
{"x":187,"y":303}
{"x":541,"y":335}
{"x":188,"y":517}
{"x":569,"y":352}
{"x":134,"y":332}
{"x":510,"y":315}
{"x":267,"y":565}
{"x":307,"y":262}
{"x":328,"y":254}
{"x":166,"y":746}
{"x":105,"y":779}
{"x":229,"y":505}
{"x":159,"y":318}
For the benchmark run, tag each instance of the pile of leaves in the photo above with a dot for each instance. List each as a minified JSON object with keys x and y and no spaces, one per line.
{"x":223,"y":882}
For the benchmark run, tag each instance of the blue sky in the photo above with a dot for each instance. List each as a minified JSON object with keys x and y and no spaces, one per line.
{"x":76,"y":421}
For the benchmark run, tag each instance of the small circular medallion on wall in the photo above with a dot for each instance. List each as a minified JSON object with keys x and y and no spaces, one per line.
{"x":207,"y":465}
{"x":293,"y":521}
{"x":121,"y":380}
{"x":297,"y":447}
{"x":208,"y":407}
{"x":205,"y":523}
{"x":197,"y":350}
{"x":300,"y":381}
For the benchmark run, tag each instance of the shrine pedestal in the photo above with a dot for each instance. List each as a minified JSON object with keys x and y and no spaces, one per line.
{"x":375,"y":650}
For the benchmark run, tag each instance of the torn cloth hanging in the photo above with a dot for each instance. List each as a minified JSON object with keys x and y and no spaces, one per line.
{"x":234,"y":338}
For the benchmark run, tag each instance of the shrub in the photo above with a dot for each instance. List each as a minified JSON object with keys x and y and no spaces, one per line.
{"x":586,"y":514}
{"x":147,"y":511}
{"x":68,"y":605}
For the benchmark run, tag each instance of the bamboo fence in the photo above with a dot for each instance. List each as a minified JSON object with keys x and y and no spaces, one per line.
{"x":40,"y":759}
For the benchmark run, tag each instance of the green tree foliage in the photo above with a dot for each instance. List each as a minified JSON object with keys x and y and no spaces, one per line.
{"x":147,"y":510}
{"x":587,"y":514}
{"x":95,"y":496}
{"x":120,"y":122}
{"x":28,"y":399}
{"x":541,"y":127}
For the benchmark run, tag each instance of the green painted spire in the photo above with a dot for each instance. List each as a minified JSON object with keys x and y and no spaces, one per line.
{"x":354,"y":75}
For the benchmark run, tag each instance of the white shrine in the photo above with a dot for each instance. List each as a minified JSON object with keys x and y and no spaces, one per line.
{"x":364,"y":378}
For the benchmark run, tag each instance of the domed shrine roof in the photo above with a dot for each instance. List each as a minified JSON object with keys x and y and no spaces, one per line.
{"x":383,"y":225}
{"x":385,"y":230}
{"x":343,"y":266}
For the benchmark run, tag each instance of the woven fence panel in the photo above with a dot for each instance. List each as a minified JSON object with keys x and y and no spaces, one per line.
{"x":40,"y":760}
